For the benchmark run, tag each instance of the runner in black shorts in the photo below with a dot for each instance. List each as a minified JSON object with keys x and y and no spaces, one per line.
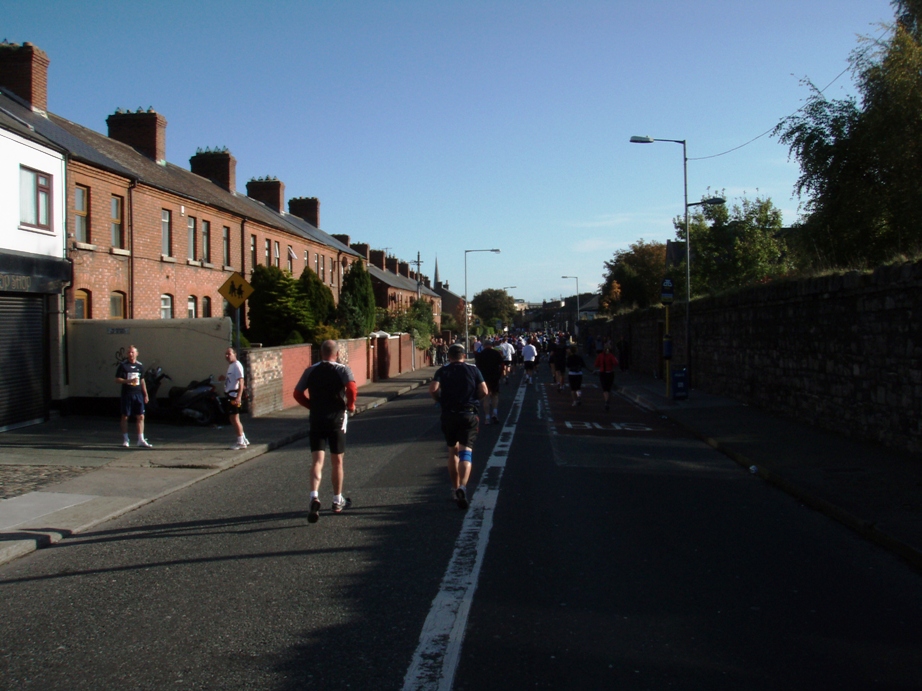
{"x":490,"y":363}
{"x":328,"y":390}
{"x":458,"y":387}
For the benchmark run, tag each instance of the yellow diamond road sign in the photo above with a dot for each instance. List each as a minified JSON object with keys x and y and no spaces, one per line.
{"x":236,"y":290}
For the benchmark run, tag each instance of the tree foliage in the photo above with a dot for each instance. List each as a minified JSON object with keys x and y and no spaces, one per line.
{"x":418,"y":321}
{"x":734,"y":246}
{"x":634,"y":277}
{"x":861,"y":162}
{"x":277,"y":308}
{"x":493,"y":305}
{"x":356,"y":310}
{"x":318,"y":295}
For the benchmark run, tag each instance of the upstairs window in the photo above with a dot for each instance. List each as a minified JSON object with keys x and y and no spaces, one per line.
{"x":34,"y":199}
{"x":226,"y":246}
{"x":268,"y":252}
{"x":192,"y":231}
{"x":82,"y":214}
{"x":277,"y":257}
{"x":166,"y":232}
{"x":206,"y":242}
{"x":115,"y":222}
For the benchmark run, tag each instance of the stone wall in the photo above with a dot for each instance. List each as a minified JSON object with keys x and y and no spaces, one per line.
{"x":841,"y":352}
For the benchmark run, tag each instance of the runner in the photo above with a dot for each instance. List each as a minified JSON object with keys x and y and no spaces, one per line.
{"x":605,"y":364}
{"x":457,"y":387}
{"x":575,"y":367}
{"x":529,"y":354}
{"x":490,"y":364}
{"x":508,"y":352}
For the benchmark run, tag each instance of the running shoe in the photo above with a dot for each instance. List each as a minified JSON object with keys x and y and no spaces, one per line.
{"x":126,"y":443}
{"x":238,"y":446}
{"x":345,"y":504}
{"x":495,"y":420}
{"x":144,"y":444}
{"x":314,"y":514}
{"x":461,"y":498}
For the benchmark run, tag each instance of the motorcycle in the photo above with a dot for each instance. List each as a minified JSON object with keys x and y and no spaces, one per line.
{"x":198,"y":401}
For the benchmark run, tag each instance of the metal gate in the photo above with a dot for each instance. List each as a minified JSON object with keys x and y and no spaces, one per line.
{"x":23,"y":376}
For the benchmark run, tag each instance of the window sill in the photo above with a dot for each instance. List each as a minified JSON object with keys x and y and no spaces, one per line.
{"x":84,"y":246}
{"x":36,"y":229}
{"x":120,"y":252}
{"x":206,"y":265}
{"x":192,"y":262}
{"x":228,"y":268}
{"x":167,"y":258}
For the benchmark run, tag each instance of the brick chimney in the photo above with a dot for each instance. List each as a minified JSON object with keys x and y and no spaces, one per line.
{"x":342,"y":238}
{"x":391,"y":264}
{"x":24,"y":71}
{"x":307,"y":208}
{"x":269,"y":191}
{"x":376,"y":258}
{"x":219,"y":166}
{"x":362,"y":248}
{"x":403,"y":268}
{"x":144,"y":131}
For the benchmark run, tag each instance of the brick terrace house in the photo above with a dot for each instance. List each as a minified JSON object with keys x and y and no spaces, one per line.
{"x":149,"y":239}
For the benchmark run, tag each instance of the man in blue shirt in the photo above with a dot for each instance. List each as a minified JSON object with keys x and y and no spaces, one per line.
{"x":458,"y":387}
{"x":130,"y":374}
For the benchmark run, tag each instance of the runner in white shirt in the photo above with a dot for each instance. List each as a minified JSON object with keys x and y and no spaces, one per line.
{"x":508,"y":351}
{"x":529,"y":355}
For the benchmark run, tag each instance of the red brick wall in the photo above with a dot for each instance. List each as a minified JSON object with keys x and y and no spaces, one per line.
{"x":295,"y":359}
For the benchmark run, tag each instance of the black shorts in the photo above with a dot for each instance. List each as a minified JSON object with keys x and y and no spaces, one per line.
{"x":529,"y":365}
{"x":576,"y":381}
{"x":606,"y":379}
{"x":328,"y":428}
{"x":132,"y":406}
{"x":492,"y":384}
{"x":460,"y":428}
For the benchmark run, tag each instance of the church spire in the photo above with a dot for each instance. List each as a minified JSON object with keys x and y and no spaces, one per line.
{"x":437,"y":281}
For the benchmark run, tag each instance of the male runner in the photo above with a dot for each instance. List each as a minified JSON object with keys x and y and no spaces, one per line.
{"x":328,"y":390}
{"x":130,"y":374}
{"x":490,"y":364}
{"x":457,"y":387}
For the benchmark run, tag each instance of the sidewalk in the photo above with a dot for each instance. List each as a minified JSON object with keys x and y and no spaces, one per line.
{"x":874,"y":491}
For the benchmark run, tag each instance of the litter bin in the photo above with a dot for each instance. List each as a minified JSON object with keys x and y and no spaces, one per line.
{"x":680,"y":385}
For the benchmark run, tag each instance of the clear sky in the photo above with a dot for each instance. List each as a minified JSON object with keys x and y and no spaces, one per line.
{"x":437,"y":126}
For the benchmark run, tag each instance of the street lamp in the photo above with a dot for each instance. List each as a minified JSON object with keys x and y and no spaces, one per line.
{"x":467,"y":315}
{"x":712,"y":200}
{"x":577,"y":297}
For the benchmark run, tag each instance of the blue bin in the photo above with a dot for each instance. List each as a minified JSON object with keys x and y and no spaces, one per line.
{"x":680,"y":385}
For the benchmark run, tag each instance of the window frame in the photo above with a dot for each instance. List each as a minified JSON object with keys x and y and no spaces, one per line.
{"x":226,"y":248}
{"x":166,"y":232}
{"x":86,"y":297}
{"x":206,"y":241}
{"x":117,"y":222}
{"x":120,"y":296}
{"x":166,"y":302}
{"x":191,"y":307}
{"x":35,"y":195}
{"x":82,"y":215}
{"x":192,"y":228}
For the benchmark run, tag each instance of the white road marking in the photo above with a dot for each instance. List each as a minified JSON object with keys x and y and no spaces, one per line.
{"x":436,"y":658}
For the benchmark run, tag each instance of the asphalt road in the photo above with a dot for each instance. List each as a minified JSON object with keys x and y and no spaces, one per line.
{"x":621,"y":554}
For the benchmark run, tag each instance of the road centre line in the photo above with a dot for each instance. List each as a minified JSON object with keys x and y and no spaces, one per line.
{"x":436,"y":658}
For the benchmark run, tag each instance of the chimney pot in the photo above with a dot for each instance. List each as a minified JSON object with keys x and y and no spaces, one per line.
{"x":144,"y":132}
{"x":269,"y":191}
{"x":219,"y":166}
{"x":307,"y":208}
{"x":24,"y":71}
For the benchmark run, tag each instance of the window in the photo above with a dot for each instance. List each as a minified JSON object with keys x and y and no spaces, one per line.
{"x":118,"y":235}
{"x":332,"y":273}
{"x":34,"y":199}
{"x":166,"y":306}
{"x":252,"y":252}
{"x":191,"y":224}
{"x":323,"y":264}
{"x":166,"y":232}
{"x":316,"y":263}
{"x":291,"y":256}
{"x":277,"y":257}
{"x":268,"y":252}
{"x":226,"y":246}
{"x":81,"y":304}
{"x":206,"y":242}
{"x":191,"y":307}
{"x":82,"y":214}
{"x":116,"y":305}
{"x":206,"y":306}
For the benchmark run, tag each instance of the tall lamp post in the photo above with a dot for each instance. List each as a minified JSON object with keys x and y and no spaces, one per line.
{"x":713,"y":200}
{"x":577,"y":298}
{"x":467,"y":314}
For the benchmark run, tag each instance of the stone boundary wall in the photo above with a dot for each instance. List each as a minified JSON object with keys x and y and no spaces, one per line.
{"x":841,"y":352}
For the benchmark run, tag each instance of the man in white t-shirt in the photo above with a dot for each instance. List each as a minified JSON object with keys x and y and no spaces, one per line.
{"x":529,"y":355}
{"x":233,"y":389}
{"x":508,"y":351}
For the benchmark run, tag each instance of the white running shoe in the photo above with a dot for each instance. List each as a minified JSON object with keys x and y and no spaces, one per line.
{"x":144,"y":444}
{"x":238,"y":446}
{"x":126,"y":443}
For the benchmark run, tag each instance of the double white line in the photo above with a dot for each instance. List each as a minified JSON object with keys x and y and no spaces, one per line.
{"x":436,"y":658}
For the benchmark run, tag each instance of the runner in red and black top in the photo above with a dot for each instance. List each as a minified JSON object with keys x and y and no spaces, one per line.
{"x":605,"y":364}
{"x":328,"y":390}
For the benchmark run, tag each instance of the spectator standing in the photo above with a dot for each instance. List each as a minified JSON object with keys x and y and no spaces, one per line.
{"x":130,"y":374}
{"x":234,"y":386}
{"x":328,"y":390}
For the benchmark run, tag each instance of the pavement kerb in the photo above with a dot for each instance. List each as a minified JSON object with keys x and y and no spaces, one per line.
{"x":37,"y":538}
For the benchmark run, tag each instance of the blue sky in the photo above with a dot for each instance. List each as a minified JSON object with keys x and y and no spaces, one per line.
{"x":436,"y":127}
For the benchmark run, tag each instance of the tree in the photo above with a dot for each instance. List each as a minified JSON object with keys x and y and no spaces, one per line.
{"x":277,"y":308}
{"x":734,"y":246}
{"x":356,"y":310}
{"x":493,"y":305}
{"x":634,"y":277}
{"x":861,"y":162}
{"x":318,"y":295}
{"x":418,"y":321}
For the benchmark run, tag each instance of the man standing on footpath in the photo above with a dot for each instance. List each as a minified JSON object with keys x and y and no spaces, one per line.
{"x":234,"y":385}
{"x":130,"y":374}
{"x":458,"y":387}
{"x":328,"y":390}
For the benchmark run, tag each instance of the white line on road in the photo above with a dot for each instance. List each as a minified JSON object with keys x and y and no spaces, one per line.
{"x":436,"y":658}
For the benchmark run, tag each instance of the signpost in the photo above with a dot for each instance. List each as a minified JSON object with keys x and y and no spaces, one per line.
{"x":236,"y":290}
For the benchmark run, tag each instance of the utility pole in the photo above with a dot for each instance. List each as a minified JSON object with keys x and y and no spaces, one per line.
{"x":419,"y":280}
